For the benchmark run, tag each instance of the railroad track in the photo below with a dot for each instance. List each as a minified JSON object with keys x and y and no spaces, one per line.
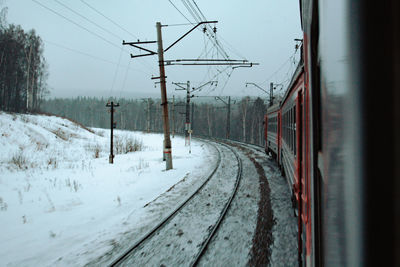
{"x":212,"y":231}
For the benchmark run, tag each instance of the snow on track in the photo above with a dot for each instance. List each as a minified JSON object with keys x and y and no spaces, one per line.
{"x":283,"y":249}
{"x":177,"y":242}
{"x":232,"y":244}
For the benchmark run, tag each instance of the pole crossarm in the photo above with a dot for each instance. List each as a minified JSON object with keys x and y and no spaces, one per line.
{"x":210,"y":59}
{"x":201,"y":86}
{"x":180,"y":86}
{"x":220,"y":99}
{"x":246,"y":66}
{"x":183,"y":36}
{"x":112,"y":105}
{"x":135,"y":44}
{"x":259,"y":87}
{"x":171,"y":63}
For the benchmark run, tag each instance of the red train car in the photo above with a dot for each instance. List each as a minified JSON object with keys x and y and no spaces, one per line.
{"x":337,"y":137}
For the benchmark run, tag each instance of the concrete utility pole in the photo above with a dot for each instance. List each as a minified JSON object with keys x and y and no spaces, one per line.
{"x":164,"y":101}
{"x":187,"y":113}
{"x":192,"y":119}
{"x":271,"y":94}
{"x":173,"y":116}
{"x":112,"y":126}
{"x":160,"y":52}
{"x":228,"y":119}
{"x":187,"y":123}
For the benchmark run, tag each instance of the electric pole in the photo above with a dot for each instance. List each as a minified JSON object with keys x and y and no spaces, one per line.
{"x":228,"y":119}
{"x":187,"y":123}
{"x":164,"y":101}
{"x":192,"y":119}
{"x":271,"y":91}
{"x":112,"y":126}
{"x":187,"y":118}
{"x":162,"y":63}
{"x":173,"y":116}
{"x":271,"y":94}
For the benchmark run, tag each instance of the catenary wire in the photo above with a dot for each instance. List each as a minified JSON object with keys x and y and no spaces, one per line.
{"x":144,"y":63}
{"x":116,"y":72}
{"x":180,"y":11}
{"x":113,"y":22}
{"x":85,"y":18}
{"x":73,"y":22}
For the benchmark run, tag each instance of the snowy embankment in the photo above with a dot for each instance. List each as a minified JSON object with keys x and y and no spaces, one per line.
{"x":59,"y":196}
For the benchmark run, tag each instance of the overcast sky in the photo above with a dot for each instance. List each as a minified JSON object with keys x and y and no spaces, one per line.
{"x":96,"y":64}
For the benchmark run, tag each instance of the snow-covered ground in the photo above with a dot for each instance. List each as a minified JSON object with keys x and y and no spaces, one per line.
{"x":62,"y":203}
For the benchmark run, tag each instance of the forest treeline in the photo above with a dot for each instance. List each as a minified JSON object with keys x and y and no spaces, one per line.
{"x":209,"y":119}
{"x":23,"y":69}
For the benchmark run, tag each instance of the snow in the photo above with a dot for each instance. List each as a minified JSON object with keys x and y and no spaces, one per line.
{"x":62,"y":203}
{"x":179,"y":241}
{"x":232,"y":244}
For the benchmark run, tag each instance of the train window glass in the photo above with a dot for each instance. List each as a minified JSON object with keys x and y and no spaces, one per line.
{"x":285,"y":127}
{"x":291,"y":129}
{"x":288,"y":128}
{"x":295,"y":131}
{"x":294,"y":128}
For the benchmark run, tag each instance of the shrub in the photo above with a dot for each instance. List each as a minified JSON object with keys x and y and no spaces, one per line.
{"x":61,"y":134}
{"x":132,"y":145}
{"x":19,"y":160}
{"x":52,"y":162}
{"x":127,"y":144}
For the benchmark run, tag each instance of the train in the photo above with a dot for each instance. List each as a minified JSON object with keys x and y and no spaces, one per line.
{"x":336,"y":134}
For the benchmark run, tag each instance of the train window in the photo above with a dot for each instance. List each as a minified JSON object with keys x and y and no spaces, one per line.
{"x":294,"y":130}
{"x":273,"y":124}
{"x":290,"y":129}
{"x":285,"y":127}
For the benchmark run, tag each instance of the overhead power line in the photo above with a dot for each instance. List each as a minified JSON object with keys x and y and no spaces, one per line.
{"x":110,"y":20}
{"x":179,"y":11}
{"x":85,"y":18}
{"x":82,"y":53}
{"x":278,"y":69}
{"x":73,"y":22}
{"x":144,"y":63}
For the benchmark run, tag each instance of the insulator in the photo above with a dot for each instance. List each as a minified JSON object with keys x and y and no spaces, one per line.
{"x":215,"y":29}
{"x":204,"y":29}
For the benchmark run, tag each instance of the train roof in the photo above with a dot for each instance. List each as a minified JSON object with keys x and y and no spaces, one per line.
{"x":274,"y":107}
{"x":296,"y":75}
